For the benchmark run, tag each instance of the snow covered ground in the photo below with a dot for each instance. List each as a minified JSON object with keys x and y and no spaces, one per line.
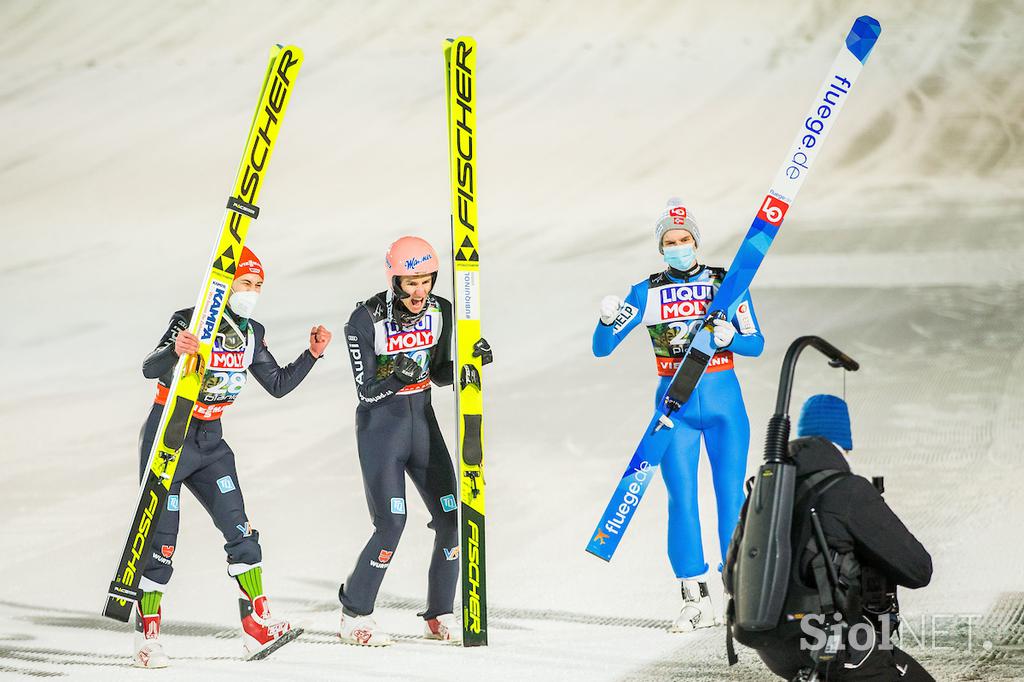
{"x":123,"y":126}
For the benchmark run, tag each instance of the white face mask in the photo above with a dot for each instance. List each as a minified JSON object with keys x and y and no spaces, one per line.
{"x":242,"y":303}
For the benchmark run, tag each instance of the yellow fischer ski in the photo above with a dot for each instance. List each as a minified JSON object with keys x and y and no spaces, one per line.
{"x":460,"y":90}
{"x":275,"y":93}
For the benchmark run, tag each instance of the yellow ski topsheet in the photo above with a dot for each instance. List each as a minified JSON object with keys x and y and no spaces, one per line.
{"x":465,"y":245}
{"x":274,"y":96}
{"x":275,"y":93}
{"x":460,"y":71}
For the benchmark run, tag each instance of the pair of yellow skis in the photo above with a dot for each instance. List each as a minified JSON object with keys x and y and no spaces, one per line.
{"x":275,"y":92}
{"x":460,"y":87}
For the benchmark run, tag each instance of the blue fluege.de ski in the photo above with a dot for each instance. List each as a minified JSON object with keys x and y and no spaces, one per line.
{"x":817,"y":124}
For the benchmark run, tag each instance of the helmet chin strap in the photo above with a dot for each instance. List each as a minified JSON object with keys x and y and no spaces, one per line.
{"x":400,"y":313}
{"x":400,"y":293}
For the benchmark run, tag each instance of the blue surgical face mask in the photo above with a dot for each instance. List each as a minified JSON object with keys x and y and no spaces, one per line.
{"x":680,"y":257}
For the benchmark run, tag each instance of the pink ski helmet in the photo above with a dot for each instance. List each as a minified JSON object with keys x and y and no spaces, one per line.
{"x":410,"y":256}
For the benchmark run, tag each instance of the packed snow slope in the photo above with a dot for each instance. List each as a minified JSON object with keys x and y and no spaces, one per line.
{"x":123,"y":125}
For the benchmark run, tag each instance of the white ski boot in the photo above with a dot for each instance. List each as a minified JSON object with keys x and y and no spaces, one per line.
{"x":362,"y":631}
{"x":697,"y":611}
{"x":445,"y":628}
{"x":149,"y":652}
{"x":262,"y":634}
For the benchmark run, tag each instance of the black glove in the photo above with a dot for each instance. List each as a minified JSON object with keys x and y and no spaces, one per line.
{"x":470,"y":376}
{"x":406,"y":369}
{"x":482,"y":350}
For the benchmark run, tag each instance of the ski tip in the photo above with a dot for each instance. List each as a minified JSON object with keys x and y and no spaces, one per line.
{"x":863,"y":36}
{"x":597,"y":553}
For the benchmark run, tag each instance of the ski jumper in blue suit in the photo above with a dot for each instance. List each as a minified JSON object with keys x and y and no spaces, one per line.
{"x":672,"y":305}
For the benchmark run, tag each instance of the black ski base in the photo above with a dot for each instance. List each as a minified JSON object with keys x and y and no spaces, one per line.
{"x":289,"y":636}
{"x":124,"y":591}
{"x":474,"y":580}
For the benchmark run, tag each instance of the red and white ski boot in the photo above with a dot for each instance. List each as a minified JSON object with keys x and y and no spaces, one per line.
{"x":362,"y":631}
{"x":262,"y":634}
{"x":149,"y":652}
{"x":445,"y":628}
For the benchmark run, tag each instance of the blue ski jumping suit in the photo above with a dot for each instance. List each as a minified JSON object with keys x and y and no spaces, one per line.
{"x":672,"y":304}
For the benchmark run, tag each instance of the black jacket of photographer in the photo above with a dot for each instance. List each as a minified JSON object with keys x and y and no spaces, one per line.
{"x":857,"y":520}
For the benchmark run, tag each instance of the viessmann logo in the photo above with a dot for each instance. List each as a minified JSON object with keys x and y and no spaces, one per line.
{"x":685,"y":301}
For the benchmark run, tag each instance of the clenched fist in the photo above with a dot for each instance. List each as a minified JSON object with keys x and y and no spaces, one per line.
{"x":610,"y":309}
{"x":319,"y":337}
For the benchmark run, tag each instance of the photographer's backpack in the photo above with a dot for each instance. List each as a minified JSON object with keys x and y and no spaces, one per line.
{"x":767,"y":559}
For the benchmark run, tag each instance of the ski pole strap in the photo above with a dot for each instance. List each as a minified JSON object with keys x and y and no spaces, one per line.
{"x":730,"y":649}
{"x":824,"y":568}
{"x":822,"y":582}
{"x":808,"y":493}
{"x":816,"y":484}
{"x":243,"y":207}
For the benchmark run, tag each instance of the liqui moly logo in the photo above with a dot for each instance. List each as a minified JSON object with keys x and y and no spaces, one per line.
{"x":227,"y":359}
{"x":678,"y":214}
{"x":420,"y":336}
{"x":685,"y":301}
{"x":211,"y":309}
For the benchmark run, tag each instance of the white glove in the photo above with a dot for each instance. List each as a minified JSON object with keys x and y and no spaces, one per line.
{"x":724,"y":331}
{"x":610,"y":309}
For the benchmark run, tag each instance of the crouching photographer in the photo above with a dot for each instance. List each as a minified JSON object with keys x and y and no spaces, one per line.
{"x":836,"y":592}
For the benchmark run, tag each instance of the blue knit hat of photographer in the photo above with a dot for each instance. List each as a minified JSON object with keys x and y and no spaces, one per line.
{"x":826,"y":416}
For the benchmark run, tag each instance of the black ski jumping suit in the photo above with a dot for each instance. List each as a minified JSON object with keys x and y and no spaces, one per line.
{"x":207,"y":464}
{"x":397,"y":433}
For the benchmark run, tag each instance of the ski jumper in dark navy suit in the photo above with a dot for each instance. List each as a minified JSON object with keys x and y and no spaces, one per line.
{"x":672,"y":305}
{"x":207,"y":465}
{"x":396,"y":434}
